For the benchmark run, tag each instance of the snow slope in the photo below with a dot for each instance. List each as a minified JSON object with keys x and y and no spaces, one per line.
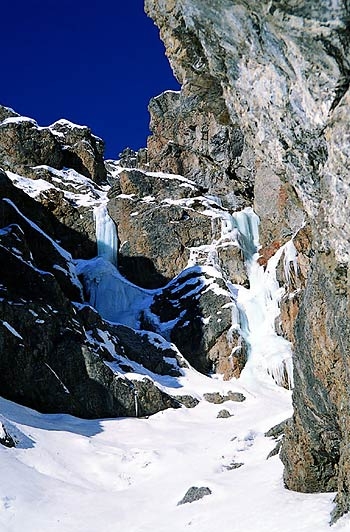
{"x":72,"y":475}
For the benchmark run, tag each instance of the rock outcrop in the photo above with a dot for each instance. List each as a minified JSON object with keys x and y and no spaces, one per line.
{"x":164,"y":220}
{"x":157,"y":225}
{"x":23,"y":145}
{"x":81,"y":150}
{"x":194,"y":311}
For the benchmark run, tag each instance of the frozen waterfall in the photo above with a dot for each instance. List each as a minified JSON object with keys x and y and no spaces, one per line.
{"x":268,"y":353}
{"x":106,"y":235}
{"x":120,"y":301}
{"x":113,"y":296}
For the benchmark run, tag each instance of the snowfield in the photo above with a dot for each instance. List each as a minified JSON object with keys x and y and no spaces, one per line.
{"x":73,"y":475}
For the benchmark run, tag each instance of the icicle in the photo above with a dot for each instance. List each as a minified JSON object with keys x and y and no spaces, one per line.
{"x":136,"y":393}
{"x":106,"y":235}
{"x":290,"y":256}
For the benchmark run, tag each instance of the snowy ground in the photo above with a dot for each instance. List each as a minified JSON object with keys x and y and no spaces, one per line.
{"x":72,"y":475}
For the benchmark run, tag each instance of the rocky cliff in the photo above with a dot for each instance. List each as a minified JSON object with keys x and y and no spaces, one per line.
{"x":119,"y":279}
{"x":94,"y":322}
{"x":265,"y":97}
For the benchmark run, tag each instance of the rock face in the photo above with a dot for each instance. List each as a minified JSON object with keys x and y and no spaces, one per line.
{"x":163,"y":221}
{"x":194,"y":136}
{"x":56,"y":352}
{"x":81,"y":150}
{"x":40,"y":153}
{"x":194,"y":311}
{"x":156,"y":229}
{"x":280,"y":75}
{"x":48,"y":359}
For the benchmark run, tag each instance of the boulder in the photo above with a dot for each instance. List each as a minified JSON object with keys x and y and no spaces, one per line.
{"x":217,"y":398}
{"x":224,"y":414}
{"x":194,"y":494}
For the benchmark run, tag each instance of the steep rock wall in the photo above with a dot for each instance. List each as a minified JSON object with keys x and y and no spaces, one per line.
{"x":279,"y":73}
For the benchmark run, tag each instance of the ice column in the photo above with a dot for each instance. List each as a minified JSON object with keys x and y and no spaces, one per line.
{"x":247,"y":223}
{"x":106,"y":235}
{"x":268,"y":353}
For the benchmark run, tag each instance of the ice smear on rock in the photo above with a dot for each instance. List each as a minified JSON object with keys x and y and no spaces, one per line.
{"x":257,"y":307}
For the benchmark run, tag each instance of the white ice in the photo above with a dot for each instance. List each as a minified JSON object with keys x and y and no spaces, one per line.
{"x":268,"y":353}
{"x":106,"y":235}
{"x":115,"y":298}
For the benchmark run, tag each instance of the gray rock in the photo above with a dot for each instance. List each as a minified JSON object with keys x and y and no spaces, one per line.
{"x":81,"y":150}
{"x":23,"y":144}
{"x":201,"y":142}
{"x":217,"y":398}
{"x":277,"y":431}
{"x":47,"y":359}
{"x":194,"y":494}
{"x":7,"y":112}
{"x":238,"y":397}
{"x":155,"y":229}
{"x":199,"y":317}
{"x":214,"y":397}
{"x":233,"y":465}
{"x":129,"y":158}
{"x":224,"y":414}
{"x":44,"y":252}
{"x":287,"y":94}
{"x":319,"y":384}
{"x":275,"y":451}
{"x":186,"y":400}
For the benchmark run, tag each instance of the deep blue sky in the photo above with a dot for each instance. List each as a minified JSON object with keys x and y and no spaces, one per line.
{"x":93,"y":62}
